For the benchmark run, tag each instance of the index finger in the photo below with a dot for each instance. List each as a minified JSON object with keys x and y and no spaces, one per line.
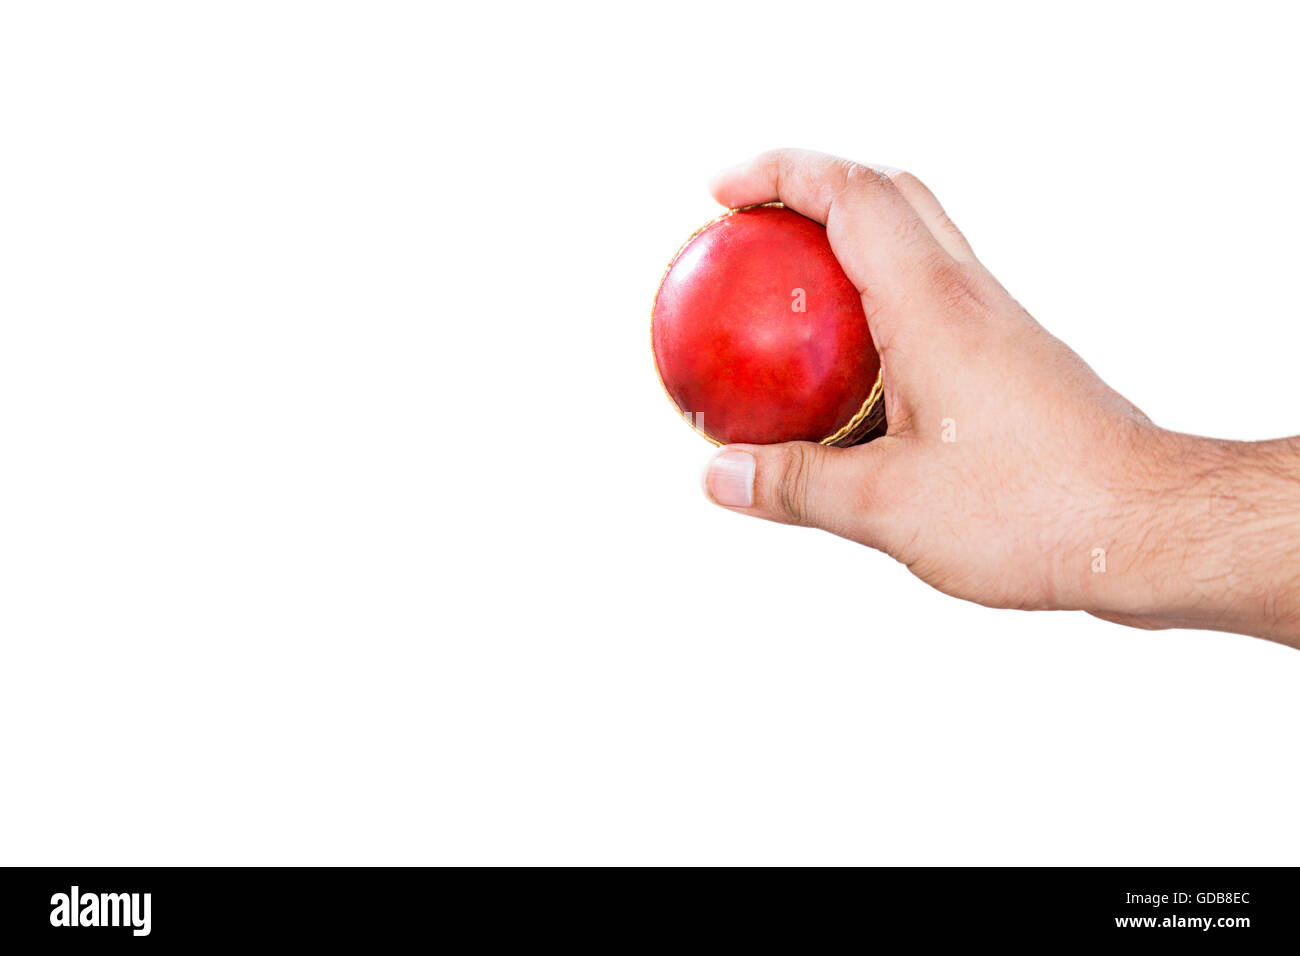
{"x":876,"y":234}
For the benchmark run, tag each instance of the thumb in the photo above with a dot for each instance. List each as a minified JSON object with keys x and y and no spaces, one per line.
{"x":795,"y":483}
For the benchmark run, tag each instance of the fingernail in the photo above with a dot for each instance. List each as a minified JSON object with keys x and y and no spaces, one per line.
{"x":731,"y":478}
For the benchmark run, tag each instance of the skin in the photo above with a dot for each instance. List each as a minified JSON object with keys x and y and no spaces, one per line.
{"x":1008,"y":462}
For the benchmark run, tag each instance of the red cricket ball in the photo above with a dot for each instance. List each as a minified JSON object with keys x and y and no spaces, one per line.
{"x":760,"y":337}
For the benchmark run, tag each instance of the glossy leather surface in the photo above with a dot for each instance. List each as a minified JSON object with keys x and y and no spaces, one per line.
{"x":733,"y":349}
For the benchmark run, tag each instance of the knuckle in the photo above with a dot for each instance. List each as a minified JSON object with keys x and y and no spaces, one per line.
{"x":784,"y":166}
{"x":858,"y":176}
{"x":911,"y":231}
{"x":954,"y":285}
{"x":904,"y":179}
{"x":793,"y":482}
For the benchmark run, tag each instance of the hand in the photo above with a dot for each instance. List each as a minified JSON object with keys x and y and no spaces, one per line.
{"x":1011,"y":475}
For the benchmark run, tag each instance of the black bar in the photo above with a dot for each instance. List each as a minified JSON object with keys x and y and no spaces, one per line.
{"x":1221,"y":908}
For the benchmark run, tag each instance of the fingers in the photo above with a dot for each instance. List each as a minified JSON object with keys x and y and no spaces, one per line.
{"x":807,"y":182}
{"x":927,"y":207}
{"x":878,"y":237}
{"x":795,"y":483}
{"x":891,"y":236}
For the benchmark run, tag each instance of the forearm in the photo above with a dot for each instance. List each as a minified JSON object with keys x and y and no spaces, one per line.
{"x":1216,"y":543}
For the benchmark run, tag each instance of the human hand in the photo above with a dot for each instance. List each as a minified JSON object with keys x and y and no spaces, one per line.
{"x":1011,"y":475}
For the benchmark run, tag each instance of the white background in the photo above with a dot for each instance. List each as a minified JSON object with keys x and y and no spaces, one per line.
{"x":342,"y":517}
